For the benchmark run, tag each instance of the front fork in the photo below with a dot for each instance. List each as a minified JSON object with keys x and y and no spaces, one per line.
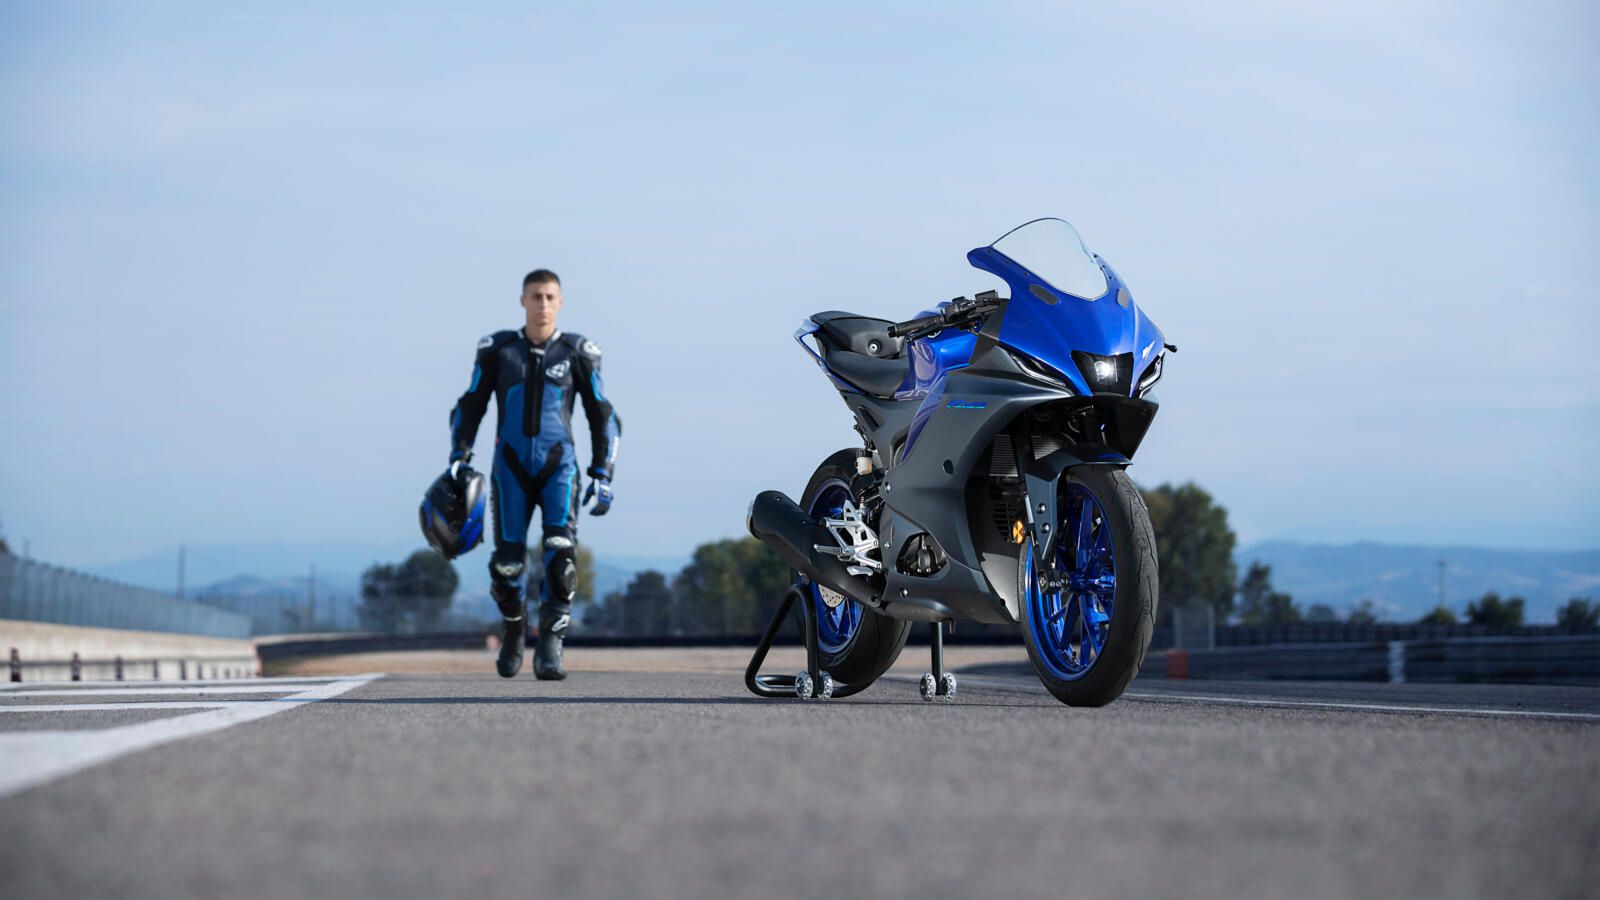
{"x":1040,"y":492}
{"x":1041,"y":485}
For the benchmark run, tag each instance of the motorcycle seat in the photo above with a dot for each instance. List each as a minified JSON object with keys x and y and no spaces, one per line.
{"x":859,"y":334}
{"x":879,"y":377}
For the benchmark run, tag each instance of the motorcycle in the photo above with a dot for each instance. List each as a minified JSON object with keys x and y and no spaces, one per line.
{"x":991,"y":483}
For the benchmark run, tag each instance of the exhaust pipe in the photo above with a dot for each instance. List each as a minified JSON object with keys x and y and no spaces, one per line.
{"x":778,"y":522}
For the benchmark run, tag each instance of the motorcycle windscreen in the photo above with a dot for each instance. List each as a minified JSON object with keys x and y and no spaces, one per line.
{"x":1062,"y":299}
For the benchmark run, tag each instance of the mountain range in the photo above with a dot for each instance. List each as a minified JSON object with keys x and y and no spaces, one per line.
{"x":1402,"y":581}
{"x":271,"y":580}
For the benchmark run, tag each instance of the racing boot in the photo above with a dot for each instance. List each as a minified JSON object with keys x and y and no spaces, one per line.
{"x":547,"y":653}
{"x":513,"y":628}
{"x":513,"y":637}
{"x":505,"y":585}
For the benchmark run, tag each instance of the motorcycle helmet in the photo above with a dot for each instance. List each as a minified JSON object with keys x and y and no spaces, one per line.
{"x":452,"y":511}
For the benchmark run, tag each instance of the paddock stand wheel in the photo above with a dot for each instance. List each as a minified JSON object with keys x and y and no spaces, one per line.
{"x":808,"y":689}
{"x":938,"y":683}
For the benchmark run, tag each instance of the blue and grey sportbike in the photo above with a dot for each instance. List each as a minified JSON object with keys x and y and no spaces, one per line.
{"x":990,"y":485}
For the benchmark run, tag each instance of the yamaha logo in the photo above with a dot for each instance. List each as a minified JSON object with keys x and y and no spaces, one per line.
{"x":557,"y":371}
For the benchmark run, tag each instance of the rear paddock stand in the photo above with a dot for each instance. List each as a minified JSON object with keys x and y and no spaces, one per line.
{"x":813,"y":683}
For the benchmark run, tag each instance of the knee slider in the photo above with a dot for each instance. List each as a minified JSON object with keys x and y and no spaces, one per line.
{"x":561,"y":568}
{"x":506,"y":572}
{"x":505,"y":583}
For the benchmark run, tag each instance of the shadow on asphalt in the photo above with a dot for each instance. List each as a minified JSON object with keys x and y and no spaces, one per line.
{"x":640,"y":701}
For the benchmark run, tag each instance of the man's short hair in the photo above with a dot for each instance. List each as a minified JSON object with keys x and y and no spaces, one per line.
{"x":540,"y":276}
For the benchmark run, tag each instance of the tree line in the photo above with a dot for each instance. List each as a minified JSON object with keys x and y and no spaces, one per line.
{"x":732,"y":586}
{"x":415,"y":595}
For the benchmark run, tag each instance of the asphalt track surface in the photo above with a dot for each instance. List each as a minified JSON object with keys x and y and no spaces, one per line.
{"x":679,"y":784}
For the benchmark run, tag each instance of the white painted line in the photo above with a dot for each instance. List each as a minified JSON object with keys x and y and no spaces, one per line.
{"x":34,"y":758}
{"x":1480,"y":712}
{"x":160,"y":691}
{"x":1032,"y":687}
{"x":99,"y":707}
{"x":12,"y":686}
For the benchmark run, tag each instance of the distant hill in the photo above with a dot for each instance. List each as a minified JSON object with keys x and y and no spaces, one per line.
{"x":278,"y":605}
{"x":1403,"y":581}
{"x":206,"y":564}
{"x":268,"y":580}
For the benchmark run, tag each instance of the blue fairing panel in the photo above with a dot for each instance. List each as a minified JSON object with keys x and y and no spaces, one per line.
{"x":932,"y":359}
{"x":1048,"y":324}
{"x":934,"y":356}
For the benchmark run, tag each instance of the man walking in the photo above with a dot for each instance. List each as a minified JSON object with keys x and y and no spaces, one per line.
{"x":535,"y":374}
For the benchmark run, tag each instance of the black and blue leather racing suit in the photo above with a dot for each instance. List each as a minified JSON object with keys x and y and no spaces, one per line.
{"x":535,"y":462}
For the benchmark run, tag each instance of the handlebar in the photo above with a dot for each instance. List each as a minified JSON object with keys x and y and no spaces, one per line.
{"x":960,"y":311}
{"x":914,"y":326}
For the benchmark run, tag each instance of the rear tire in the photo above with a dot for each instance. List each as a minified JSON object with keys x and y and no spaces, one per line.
{"x":874,"y":641}
{"x":1133,"y":547}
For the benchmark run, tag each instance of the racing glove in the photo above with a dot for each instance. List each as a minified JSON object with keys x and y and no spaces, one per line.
{"x":599,"y":488}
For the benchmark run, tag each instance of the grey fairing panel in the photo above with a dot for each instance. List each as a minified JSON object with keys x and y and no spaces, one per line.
{"x":922,"y":496}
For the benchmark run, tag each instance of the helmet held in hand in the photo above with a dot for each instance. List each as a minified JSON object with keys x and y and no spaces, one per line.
{"x":452,"y":511}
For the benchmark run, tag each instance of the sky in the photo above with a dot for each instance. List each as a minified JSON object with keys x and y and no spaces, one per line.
{"x":247,"y":250}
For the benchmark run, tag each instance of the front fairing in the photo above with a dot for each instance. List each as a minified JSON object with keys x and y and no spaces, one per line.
{"x":1048,"y":323}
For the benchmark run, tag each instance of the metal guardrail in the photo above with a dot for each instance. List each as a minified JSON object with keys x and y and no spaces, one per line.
{"x":1184,"y":633}
{"x":1502,"y":660}
{"x":1344,"y":633}
{"x":36,"y":592}
{"x":119,"y":668}
{"x":1517,"y":660}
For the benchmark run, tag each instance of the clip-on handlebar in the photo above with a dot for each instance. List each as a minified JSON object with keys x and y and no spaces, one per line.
{"x":960,"y":311}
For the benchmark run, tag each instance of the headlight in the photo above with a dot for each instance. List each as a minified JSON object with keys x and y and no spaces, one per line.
{"x":1038,"y":371}
{"x":1106,"y":374}
{"x":1152,"y":374}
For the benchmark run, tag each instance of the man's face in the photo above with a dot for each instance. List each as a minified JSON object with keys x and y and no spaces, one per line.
{"x":542,"y":300}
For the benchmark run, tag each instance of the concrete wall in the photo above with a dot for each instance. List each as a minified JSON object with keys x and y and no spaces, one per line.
{"x":46,"y":651}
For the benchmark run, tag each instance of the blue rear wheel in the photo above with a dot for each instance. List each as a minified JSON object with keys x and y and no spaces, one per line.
{"x":838,"y":617}
{"x":856,"y":643}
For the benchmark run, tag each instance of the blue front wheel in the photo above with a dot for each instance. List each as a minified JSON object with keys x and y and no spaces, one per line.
{"x":1088,"y":607}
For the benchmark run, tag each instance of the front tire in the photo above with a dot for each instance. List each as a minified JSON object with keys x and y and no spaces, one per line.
{"x":1088,"y":639}
{"x":857,"y":643}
